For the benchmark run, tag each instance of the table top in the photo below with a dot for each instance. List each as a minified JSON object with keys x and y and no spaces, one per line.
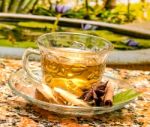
{"x":16,"y":112}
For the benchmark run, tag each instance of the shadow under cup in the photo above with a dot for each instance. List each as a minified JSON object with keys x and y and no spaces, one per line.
{"x":72,"y":61}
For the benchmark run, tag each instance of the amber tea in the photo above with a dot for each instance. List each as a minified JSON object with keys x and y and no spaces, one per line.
{"x":71,"y":75}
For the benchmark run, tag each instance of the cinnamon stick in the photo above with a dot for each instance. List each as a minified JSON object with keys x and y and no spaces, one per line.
{"x":108,"y":97}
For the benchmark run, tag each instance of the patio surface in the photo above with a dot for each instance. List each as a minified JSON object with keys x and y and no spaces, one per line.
{"x":16,"y":112}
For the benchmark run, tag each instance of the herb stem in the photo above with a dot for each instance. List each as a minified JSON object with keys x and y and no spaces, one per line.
{"x":56,"y":22}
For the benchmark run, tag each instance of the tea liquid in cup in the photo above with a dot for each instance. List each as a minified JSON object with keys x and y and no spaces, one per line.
{"x":73,"y":62}
{"x":71,"y":71}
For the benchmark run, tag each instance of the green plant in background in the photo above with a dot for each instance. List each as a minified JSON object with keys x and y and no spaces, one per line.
{"x":18,"y":44}
{"x":29,"y":6}
{"x":22,"y":5}
{"x":60,"y":9}
{"x":1,"y":2}
{"x":87,"y":9}
{"x":17,"y":33}
{"x":35,"y":25}
{"x":121,"y":12}
{"x":5,"y":5}
{"x":108,"y":11}
{"x":120,"y":41}
{"x":28,"y":31}
{"x":17,"y":6}
{"x":14,"y":6}
{"x":42,"y":11}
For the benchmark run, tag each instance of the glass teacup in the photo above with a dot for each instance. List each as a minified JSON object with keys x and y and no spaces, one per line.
{"x":72,"y":62}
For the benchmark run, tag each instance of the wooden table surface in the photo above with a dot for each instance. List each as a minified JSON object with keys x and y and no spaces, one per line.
{"x":16,"y":112}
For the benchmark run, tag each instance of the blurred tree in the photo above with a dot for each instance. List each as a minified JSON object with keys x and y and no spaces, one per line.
{"x":50,"y":4}
{"x":87,"y":10}
{"x":128,"y":10}
{"x":109,"y":4}
{"x":5,"y":5}
{"x":87,"y":6}
{"x":14,"y":5}
{"x":22,"y":5}
{"x":1,"y":2}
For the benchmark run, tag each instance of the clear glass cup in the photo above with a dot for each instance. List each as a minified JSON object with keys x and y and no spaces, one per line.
{"x":72,"y":62}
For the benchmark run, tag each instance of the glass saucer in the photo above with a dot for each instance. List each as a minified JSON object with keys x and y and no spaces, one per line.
{"x":25,"y":87}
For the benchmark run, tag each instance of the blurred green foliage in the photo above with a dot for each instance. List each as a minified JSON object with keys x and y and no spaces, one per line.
{"x":36,"y":25}
{"x":119,"y":14}
{"x":24,"y":34}
{"x":21,"y":44}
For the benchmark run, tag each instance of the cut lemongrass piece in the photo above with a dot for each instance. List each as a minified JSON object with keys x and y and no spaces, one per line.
{"x":47,"y":93}
{"x":70,"y":97}
{"x":60,"y":99}
{"x":47,"y":97}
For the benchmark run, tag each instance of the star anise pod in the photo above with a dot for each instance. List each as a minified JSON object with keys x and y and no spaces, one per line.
{"x":94,"y":95}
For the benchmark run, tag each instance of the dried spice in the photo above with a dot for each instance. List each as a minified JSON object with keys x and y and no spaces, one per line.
{"x":108,"y":97}
{"x":95,"y":95}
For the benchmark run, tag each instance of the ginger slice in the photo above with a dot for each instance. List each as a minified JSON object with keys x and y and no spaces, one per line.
{"x":70,"y":98}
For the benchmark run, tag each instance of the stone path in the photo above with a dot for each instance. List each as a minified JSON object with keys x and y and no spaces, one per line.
{"x":138,"y":59}
{"x":140,"y":24}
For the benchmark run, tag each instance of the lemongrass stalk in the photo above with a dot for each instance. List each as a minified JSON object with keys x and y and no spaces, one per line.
{"x":23,"y":4}
{"x":70,"y":98}
{"x":5,"y":5}
{"x":29,"y":6}
{"x":56,"y":22}
{"x":14,"y":6}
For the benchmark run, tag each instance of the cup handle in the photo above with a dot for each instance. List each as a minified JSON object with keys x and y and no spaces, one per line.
{"x":25,"y":61}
